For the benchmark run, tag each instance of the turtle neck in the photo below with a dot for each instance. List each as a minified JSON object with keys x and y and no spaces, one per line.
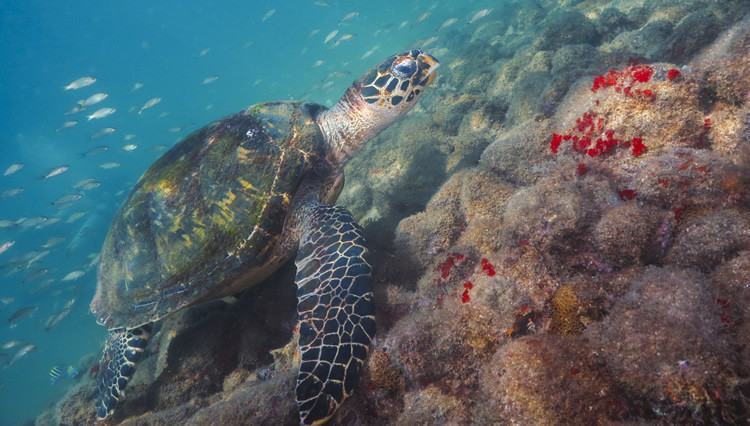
{"x":349,"y":124}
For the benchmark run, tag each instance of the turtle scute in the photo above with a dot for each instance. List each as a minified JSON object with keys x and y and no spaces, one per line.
{"x":206,"y":214}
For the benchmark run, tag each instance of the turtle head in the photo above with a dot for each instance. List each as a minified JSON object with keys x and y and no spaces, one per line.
{"x":382,"y":95}
{"x":396,"y":83}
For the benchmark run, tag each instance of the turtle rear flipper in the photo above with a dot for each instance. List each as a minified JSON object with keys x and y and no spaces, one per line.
{"x":122,"y":351}
{"x":335,"y":308}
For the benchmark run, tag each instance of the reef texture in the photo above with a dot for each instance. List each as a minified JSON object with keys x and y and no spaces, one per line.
{"x":561,"y":234}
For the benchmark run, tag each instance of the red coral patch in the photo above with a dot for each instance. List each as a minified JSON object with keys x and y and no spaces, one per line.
{"x":487,"y":267}
{"x":637,"y":146}
{"x":641,"y":73}
{"x":447,"y":265}
{"x":627,"y":194}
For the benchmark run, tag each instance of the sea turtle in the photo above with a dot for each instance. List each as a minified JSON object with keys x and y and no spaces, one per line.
{"x":235,"y":200}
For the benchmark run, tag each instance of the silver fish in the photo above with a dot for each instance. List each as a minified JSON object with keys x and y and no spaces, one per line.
{"x":447,"y":23}
{"x":8,"y":193}
{"x":13,"y":168}
{"x":330,"y":36}
{"x":94,"y":261}
{"x":149,"y":104}
{"x":109,"y":165}
{"x":129,"y":147}
{"x":36,"y":275}
{"x":57,"y":171}
{"x":101,"y":113}
{"x":7,"y":301}
{"x":85,"y":231}
{"x":50,"y":221}
{"x":204,"y":51}
{"x":93,"y":99}
{"x":209,"y":80}
{"x":128,"y":137}
{"x":479,"y":15}
{"x":87,"y":184}
{"x":345,"y":37}
{"x":10,"y":344}
{"x":370,"y":52}
{"x":52,"y":242}
{"x":136,"y":86}
{"x":37,"y":257}
{"x":75,"y":110}
{"x":80,"y":83}
{"x":55,"y":319}
{"x":349,"y":16}
{"x":6,"y":246}
{"x":22,"y":353}
{"x":5,"y":223}
{"x":20,"y":314}
{"x":72,"y":276}
{"x":75,"y":216}
{"x":268,"y":14}
{"x":30,"y":222}
{"x":66,"y":199}
{"x":429,"y":41}
{"x":67,"y":125}
{"x":101,"y":149}
{"x":103,"y":132}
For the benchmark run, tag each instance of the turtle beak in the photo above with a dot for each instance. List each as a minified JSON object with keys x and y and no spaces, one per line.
{"x":429,"y":64}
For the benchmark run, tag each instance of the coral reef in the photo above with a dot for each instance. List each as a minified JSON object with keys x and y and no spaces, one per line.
{"x":561,"y":234}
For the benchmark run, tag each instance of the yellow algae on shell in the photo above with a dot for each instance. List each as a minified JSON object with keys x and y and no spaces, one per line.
{"x":208,"y":213}
{"x":246,"y":185}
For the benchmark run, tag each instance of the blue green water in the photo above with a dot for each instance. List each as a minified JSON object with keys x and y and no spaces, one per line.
{"x":171,"y":48}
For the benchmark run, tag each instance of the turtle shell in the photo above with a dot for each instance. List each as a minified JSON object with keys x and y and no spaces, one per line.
{"x":203,"y":221}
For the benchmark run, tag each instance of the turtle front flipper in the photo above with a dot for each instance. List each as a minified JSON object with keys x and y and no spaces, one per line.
{"x":123,"y":349}
{"x":335,"y":308}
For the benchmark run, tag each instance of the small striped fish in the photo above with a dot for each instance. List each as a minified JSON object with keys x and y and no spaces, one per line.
{"x":55,"y":373}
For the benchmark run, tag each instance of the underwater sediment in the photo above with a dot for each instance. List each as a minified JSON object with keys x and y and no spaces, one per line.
{"x":561,"y":235}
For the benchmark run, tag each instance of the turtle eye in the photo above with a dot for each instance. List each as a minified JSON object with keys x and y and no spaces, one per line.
{"x":405,"y":69}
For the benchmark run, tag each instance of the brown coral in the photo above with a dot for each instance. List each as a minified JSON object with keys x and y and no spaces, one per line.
{"x":566,"y":310}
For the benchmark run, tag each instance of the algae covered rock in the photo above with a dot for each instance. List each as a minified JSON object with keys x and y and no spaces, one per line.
{"x":705,"y":240}
{"x":420,"y":237}
{"x":567,"y":27}
{"x":432,"y":405}
{"x":611,"y":22}
{"x":537,"y":378}
{"x":547,"y":213}
{"x":693,"y":32}
{"x":527,"y":98}
{"x":517,"y":155}
{"x":648,"y":41}
{"x":624,"y":233}
{"x":663,"y":340}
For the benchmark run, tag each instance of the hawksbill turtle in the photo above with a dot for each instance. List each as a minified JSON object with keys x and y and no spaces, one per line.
{"x":234,"y":201}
